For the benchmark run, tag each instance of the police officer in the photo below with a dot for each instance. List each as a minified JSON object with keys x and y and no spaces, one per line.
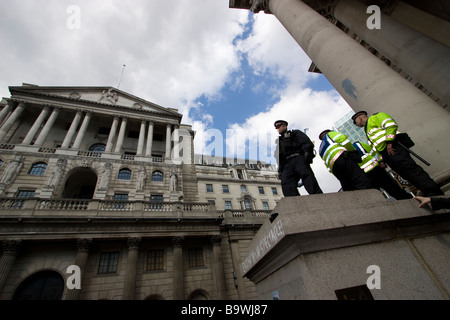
{"x":295,"y":153}
{"x":374,"y":167}
{"x":381,"y":131}
{"x":342,"y":160}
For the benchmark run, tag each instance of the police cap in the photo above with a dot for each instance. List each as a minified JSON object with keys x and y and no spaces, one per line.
{"x":323,"y":133}
{"x":280,"y":121}
{"x":356,"y":115}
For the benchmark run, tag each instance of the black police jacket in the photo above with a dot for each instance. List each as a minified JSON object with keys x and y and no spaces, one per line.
{"x":294,"y":142}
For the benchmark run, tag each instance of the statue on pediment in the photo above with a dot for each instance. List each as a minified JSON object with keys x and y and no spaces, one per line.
{"x":109,"y":96}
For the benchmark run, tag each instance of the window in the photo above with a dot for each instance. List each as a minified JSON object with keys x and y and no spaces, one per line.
{"x":225,"y":188}
{"x":155,"y":260}
{"x":156,"y":198}
{"x":240,"y":174}
{"x":124,"y":174}
{"x":25,"y":194}
{"x":108,"y":262}
{"x":157,"y":176}
{"x":209,"y":188}
{"x":244,"y":188}
{"x":98,"y":147}
{"x":22,"y":194}
{"x":103,"y":130}
{"x":195,"y":256}
{"x":261,"y":190}
{"x":1,"y":162}
{"x":265,"y":205}
{"x":228,"y":205}
{"x":38,"y":169}
{"x":247,"y":204}
{"x":354,"y":293}
{"x":133,"y":134}
{"x":120,"y":197}
{"x":274,"y":191}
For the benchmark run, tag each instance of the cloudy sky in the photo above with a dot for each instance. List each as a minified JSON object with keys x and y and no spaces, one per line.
{"x":231,"y":73}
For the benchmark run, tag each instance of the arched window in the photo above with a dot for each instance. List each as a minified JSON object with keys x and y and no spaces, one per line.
{"x":124,"y":174}
{"x":43,"y":285}
{"x":38,"y":169}
{"x":98,"y":147}
{"x":157,"y":176}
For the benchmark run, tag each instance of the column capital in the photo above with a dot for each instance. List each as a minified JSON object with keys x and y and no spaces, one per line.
{"x":84,"y":244}
{"x":258,"y":5}
{"x":177,"y":241}
{"x":134,"y":242}
{"x":216,"y":240}
{"x":11,"y":247}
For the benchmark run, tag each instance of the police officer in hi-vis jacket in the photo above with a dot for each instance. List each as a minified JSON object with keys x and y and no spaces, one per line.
{"x":381,"y":131}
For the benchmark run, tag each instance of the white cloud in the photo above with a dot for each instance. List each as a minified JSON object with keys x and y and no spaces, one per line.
{"x":271,"y":50}
{"x":174,"y":50}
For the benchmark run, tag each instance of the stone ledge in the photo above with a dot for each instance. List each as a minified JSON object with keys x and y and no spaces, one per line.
{"x":326,"y":221}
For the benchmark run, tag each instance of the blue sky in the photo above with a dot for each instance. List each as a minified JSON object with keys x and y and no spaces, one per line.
{"x":227,"y":71}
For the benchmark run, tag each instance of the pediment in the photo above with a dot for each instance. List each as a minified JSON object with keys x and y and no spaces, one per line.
{"x":101,"y":95}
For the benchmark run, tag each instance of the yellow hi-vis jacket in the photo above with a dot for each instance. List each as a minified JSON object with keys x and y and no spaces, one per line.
{"x":370,"y":157}
{"x":332,"y":146}
{"x":380,"y":129}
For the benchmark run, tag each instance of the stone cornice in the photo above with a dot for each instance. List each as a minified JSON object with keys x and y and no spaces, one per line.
{"x":41,"y":98}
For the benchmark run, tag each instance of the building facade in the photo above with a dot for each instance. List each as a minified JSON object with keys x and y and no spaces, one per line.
{"x":101,"y":198}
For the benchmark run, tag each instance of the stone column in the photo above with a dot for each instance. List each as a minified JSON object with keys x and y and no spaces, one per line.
{"x":5,"y":111}
{"x":140,"y":148}
{"x":10,"y":249}
{"x":83,"y":246}
{"x":178,"y":274}
{"x":130,"y":277}
{"x":168,"y":140}
{"x":112,"y":134}
{"x":148,"y":149}
{"x":36,"y":125}
{"x":236,"y":260}
{"x":367,"y":83}
{"x":11,"y":120}
{"x":121,"y":136}
{"x":72,"y":130}
{"x":48,"y":126}
{"x":82,"y":131}
{"x":219,"y":274}
{"x":422,"y":58}
{"x":176,"y":144}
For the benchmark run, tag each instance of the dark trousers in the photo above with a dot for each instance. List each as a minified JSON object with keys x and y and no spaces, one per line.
{"x":402,"y":163}
{"x":349,"y":174}
{"x":295,"y":169}
{"x":381,"y":179}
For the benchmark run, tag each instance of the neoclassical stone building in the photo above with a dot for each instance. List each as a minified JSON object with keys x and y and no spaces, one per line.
{"x":97,"y":179}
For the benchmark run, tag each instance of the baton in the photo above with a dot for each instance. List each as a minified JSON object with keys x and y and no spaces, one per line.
{"x":414,"y":154}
